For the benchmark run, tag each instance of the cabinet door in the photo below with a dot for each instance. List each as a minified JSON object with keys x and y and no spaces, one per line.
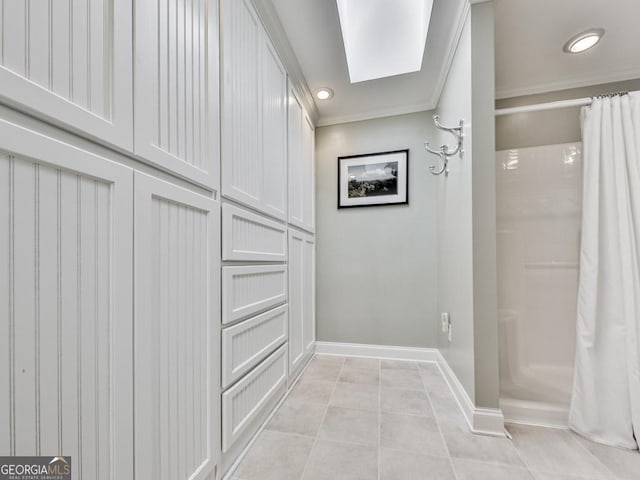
{"x":274,"y":133}
{"x":177,"y":331}
{"x":66,"y":295}
{"x":309,"y":294}
{"x":301,"y":166}
{"x":254,"y":115}
{"x":308,"y":176}
{"x":241,"y":104}
{"x":296,"y":300}
{"x":177,"y":87}
{"x":296,"y":187}
{"x":69,"y":62}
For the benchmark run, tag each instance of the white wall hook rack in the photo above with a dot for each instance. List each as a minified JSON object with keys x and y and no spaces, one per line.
{"x":445,"y":152}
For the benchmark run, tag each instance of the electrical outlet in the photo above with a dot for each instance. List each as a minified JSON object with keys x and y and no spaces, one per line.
{"x":444,"y":318}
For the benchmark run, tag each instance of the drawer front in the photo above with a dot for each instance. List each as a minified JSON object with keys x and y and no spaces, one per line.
{"x":250,"y":290}
{"x":244,"y":404}
{"x":246,"y":344}
{"x":247,"y":236}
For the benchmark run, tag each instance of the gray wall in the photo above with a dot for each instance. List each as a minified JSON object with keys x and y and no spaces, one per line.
{"x":376,"y":266}
{"x":552,"y":126}
{"x":466,"y":215}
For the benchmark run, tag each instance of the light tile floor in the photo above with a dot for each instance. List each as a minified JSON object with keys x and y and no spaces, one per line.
{"x":357,"y":418}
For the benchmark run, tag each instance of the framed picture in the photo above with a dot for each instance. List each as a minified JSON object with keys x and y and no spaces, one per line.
{"x":373,"y":179}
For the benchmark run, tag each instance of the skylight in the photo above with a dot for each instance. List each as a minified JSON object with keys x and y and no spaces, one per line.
{"x":383,"y":38}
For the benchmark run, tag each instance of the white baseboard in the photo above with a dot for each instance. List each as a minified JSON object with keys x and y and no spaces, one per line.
{"x":534,"y":413}
{"x":377,"y":351}
{"x":483,"y":421}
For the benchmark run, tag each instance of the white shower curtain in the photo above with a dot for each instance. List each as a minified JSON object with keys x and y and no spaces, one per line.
{"x":605,"y":405}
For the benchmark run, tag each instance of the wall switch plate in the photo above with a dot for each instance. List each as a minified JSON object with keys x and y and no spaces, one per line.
{"x":444,"y":318}
{"x":450,"y":330}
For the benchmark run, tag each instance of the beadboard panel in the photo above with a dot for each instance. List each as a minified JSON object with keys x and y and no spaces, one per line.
{"x":70,"y":62}
{"x":243,"y":405}
{"x":296,"y":299}
{"x":308,"y":175}
{"x":252,"y":289}
{"x":295,"y":119}
{"x":65,"y":305}
{"x":309,"y":294}
{"x":274,"y":136}
{"x":176,"y":331}
{"x":301,"y":145}
{"x":177,"y":87}
{"x":244,"y":345}
{"x":242,"y":96}
{"x":301,"y":298}
{"x":251,"y":237}
{"x":254,"y":114}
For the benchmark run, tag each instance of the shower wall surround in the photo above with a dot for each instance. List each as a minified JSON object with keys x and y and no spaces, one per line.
{"x":539,"y":211}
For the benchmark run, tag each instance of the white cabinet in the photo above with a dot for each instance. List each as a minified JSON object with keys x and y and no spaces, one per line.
{"x":254,"y":125}
{"x":301,"y":298}
{"x":70,"y":62}
{"x":66,"y":290}
{"x":177,"y":331}
{"x":176,"y":87}
{"x":301,"y":166}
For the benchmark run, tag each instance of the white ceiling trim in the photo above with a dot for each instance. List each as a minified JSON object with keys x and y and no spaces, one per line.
{"x":389,"y":112}
{"x":278,"y":36}
{"x":464,"y":7}
{"x":609,"y":77}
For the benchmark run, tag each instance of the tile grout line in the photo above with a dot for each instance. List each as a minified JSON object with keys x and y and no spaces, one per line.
{"x":589,"y":452}
{"x":315,"y":441}
{"x":437,"y":420}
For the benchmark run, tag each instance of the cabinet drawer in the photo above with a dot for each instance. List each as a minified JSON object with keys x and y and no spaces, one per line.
{"x":246,"y":344}
{"x":246,"y":404}
{"x":253,"y":289}
{"x":252,"y":237}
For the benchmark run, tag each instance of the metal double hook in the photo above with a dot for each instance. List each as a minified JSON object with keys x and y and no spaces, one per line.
{"x":445,"y":152}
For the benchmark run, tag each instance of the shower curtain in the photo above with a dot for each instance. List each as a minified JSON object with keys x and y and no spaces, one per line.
{"x":605,"y":405}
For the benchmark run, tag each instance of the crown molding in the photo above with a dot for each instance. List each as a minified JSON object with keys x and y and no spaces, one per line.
{"x":380,"y":113}
{"x":464,"y":7}
{"x":275,"y":30}
{"x":609,"y":77}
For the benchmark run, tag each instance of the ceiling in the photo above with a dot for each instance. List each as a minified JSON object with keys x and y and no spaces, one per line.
{"x":313,"y":30}
{"x":529,"y":37}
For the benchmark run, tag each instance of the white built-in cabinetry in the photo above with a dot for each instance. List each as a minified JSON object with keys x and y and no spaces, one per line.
{"x":110,"y":236}
{"x":267,"y":186}
{"x":156,"y":234}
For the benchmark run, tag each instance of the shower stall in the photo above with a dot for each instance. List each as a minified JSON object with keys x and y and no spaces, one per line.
{"x":538,"y":209}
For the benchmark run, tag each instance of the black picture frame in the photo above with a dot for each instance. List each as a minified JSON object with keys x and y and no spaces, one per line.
{"x":367,"y":180}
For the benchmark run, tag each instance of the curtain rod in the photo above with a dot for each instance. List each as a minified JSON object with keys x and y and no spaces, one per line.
{"x":578,"y":102}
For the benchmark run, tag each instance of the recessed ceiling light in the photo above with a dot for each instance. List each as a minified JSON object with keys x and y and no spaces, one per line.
{"x":584,"y":40}
{"x":324,"y":93}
